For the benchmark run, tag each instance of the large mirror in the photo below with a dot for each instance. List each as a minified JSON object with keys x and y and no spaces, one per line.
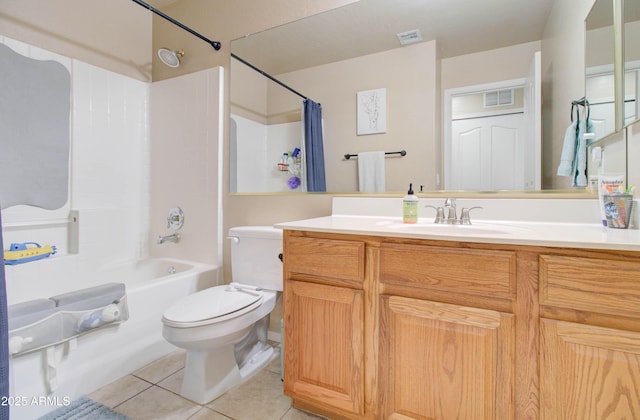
{"x":600,"y":76}
{"x":631,"y":61}
{"x":335,"y":57}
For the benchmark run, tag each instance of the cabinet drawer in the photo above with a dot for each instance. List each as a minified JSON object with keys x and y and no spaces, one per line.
{"x":328,"y":258}
{"x":590,"y":284}
{"x":471,"y":271}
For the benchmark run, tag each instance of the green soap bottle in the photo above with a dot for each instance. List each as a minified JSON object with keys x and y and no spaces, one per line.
{"x":410,"y":207}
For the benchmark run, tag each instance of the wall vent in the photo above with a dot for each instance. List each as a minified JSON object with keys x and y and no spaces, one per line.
{"x":409,"y":37}
{"x":498,"y":98}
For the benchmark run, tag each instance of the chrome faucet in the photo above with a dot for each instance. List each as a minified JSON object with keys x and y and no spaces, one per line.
{"x":450,"y":203}
{"x":439,"y":214}
{"x":464,"y":215}
{"x":452,"y":219}
{"x":174,"y":237}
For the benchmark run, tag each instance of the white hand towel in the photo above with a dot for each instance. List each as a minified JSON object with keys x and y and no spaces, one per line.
{"x":371,"y":176}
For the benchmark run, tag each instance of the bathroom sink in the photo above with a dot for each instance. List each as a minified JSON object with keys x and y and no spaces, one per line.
{"x":478,"y":228}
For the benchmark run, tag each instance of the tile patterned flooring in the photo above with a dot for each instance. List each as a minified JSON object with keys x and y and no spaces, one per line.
{"x":152,"y":393}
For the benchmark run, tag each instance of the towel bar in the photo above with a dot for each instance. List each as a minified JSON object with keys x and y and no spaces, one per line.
{"x":401,"y":153}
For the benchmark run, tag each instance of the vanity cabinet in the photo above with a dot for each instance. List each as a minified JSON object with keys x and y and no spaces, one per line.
{"x":396,"y":328}
{"x":324,"y":324}
{"x":590,"y":337}
{"x":450,"y":360}
{"x":445,"y":361}
{"x":588,"y":372}
{"x":324,"y":345}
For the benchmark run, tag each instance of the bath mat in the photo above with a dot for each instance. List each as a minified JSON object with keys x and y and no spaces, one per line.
{"x":82,"y":409}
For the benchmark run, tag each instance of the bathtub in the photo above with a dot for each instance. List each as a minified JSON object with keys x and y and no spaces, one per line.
{"x":103,"y":355}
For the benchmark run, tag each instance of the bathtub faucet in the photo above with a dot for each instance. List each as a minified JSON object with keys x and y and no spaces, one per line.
{"x":174,"y":237}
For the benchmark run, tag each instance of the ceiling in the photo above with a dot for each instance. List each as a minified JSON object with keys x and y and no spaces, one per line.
{"x":159,"y":4}
{"x":369,"y":26}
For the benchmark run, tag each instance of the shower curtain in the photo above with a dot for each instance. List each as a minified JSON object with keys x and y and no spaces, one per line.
{"x":314,"y":148}
{"x":4,"y":337}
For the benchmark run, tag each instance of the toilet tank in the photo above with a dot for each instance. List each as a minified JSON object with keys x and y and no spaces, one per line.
{"x":255,"y":256}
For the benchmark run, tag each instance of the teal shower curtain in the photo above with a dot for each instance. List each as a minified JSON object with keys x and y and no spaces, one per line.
{"x":314,"y":147}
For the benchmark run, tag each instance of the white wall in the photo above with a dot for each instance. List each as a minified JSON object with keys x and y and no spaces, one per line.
{"x":409,"y":75}
{"x":114,"y":35}
{"x":491,"y":66}
{"x":120,"y":169}
{"x":109,"y":184}
{"x":250,"y":164}
{"x":259,"y":148}
{"x":633,"y":152}
{"x":125,"y":177}
{"x":109,"y":197}
{"x":185,"y":131}
{"x":563,"y":45}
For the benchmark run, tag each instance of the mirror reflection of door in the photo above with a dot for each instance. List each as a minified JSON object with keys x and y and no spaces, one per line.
{"x":600,"y":88}
{"x":631,"y":36}
{"x":631,"y":92}
{"x":486,"y":152}
{"x":493,"y":138}
{"x":600,"y":92}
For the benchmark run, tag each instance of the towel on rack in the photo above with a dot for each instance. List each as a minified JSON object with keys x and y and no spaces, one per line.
{"x":580,"y":166}
{"x":568,"y":150}
{"x":573,"y":160}
{"x":371,"y":174}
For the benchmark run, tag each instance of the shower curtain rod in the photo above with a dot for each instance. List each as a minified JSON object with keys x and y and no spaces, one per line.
{"x":268,"y":76}
{"x":215,"y":44}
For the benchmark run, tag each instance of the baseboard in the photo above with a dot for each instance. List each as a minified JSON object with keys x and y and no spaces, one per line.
{"x":274,"y":336}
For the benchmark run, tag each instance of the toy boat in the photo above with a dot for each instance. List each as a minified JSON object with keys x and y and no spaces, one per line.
{"x":26,"y":252}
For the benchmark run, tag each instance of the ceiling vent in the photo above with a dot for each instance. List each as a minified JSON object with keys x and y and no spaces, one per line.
{"x":409,"y":37}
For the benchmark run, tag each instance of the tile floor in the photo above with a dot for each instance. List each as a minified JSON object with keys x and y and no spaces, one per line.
{"x":152,"y":393}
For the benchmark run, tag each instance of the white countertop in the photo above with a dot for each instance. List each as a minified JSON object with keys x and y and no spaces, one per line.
{"x":566,"y":235}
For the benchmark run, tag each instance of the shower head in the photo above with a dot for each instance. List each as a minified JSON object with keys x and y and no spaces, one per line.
{"x":169,"y":57}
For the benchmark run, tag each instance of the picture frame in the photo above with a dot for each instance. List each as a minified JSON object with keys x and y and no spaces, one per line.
{"x":371,"y":111}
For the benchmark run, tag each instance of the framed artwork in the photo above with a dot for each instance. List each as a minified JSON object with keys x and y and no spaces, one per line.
{"x":372,"y":112}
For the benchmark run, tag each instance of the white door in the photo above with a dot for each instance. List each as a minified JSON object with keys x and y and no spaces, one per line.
{"x":525,"y":146}
{"x":488,"y":153}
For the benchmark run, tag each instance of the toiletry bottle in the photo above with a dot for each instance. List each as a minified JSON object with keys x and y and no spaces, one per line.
{"x":282,"y":165}
{"x":410,"y":207}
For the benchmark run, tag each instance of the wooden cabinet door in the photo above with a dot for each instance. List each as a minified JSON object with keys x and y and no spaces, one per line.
{"x":441,"y":361}
{"x":323,"y":345}
{"x":588,"y":373}
{"x":445,"y":361}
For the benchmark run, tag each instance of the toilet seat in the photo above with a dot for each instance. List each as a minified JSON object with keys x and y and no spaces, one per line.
{"x":210,"y":306}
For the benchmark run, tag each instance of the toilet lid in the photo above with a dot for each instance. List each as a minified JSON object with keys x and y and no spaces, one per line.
{"x":211,"y":305}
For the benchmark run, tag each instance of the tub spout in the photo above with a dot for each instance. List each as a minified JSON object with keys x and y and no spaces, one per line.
{"x":169,"y":238}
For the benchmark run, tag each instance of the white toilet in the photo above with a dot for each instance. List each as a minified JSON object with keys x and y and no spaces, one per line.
{"x":224,"y":328}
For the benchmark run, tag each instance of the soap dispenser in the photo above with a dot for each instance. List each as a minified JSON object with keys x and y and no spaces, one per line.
{"x":410,"y":207}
